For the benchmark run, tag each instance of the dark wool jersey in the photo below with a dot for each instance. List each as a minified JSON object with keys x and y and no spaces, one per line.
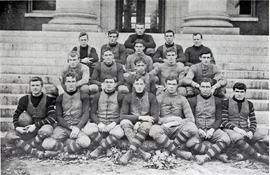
{"x":192,"y":55}
{"x":119,"y":52}
{"x":148,"y":39}
{"x":84,"y":52}
{"x":161,"y":53}
{"x":251,"y":116}
{"x":22,"y":106}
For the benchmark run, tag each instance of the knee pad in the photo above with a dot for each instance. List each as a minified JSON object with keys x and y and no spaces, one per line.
{"x":155,"y":64}
{"x":126,"y":124}
{"x":145,"y":127}
{"x":225,"y":138}
{"x":90,"y":129}
{"x":45,"y":131}
{"x":192,"y":141}
{"x":190,"y":127}
{"x":117,"y":131}
{"x":49,"y":143}
{"x":156,"y":131}
{"x":123,"y":88}
{"x":11,"y":137}
{"x":83,"y":141}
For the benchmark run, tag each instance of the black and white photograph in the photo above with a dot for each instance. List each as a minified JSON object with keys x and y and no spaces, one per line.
{"x":132,"y":87}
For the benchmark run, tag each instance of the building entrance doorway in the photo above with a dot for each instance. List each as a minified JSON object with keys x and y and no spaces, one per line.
{"x":150,"y":12}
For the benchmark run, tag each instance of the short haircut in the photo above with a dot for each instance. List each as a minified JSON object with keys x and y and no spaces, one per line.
{"x":140,"y":23}
{"x":137,"y":78}
{"x":139,"y":59}
{"x":106,"y":49}
{"x":113,"y":32}
{"x":169,"y":31}
{"x":207,"y":80}
{"x":171,"y":78}
{"x":171,"y":49}
{"x":110,"y":77}
{"x":73,"y":54}
{"x":36,"y":79}
{"x":139,"y":41}
{"x":240,"y":86}
{"x":206,"y":51}
{"x":83,"y":34}
{"x":73,"y":75}
{"x":194,"y":34}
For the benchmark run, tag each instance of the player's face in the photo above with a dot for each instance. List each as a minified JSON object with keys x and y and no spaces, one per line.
{"x":35,"y":87}
{"x":239,"y":94}
{"x":197,"y":40}
{"x":70,"y":84}
{"x":109,"y":84}
{"x":139,"y":48}
{"x":139,"y":86}
{"x":171,"y":86}
{"x":108,"y":57}
{"x":73,"y":61}
{"x":83,"y":41}
{"x":139,"y":29}
{"x":171,"y":58}
{"x":205,"y":89}
{"x":169,"y":37}
{"x":205,"y":59}
{"x":113,"y":38}
{"x":140,"y":67}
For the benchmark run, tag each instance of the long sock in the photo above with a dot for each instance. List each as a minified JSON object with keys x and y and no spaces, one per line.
{"x":109,"y":141}
{"x":181,"y":138}
{"x":96,"y":138}
{"x":261,"y":147}
{"x":246,"y":147}
{"x":26,"y":147}
{"x":137,"y":141}
{"x":200,"y":148}
{"x":58,"y":146}
{"x":37,"y":141}
{"x":216,"y":149}
{"x":166,"y":142}
{"x":72,"y":147}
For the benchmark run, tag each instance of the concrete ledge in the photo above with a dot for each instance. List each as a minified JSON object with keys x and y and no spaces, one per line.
{"x":211,"y":30}
{"x":68,"y":28}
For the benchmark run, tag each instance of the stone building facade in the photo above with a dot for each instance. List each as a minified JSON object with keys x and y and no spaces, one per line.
{"x":249,"y":17}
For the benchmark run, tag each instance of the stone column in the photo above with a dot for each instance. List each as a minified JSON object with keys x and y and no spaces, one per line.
{"x":208,"y":17}
{"x":74,"y":15}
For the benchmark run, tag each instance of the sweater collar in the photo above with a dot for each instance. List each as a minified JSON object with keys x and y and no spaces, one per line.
{"x":238,"y":101}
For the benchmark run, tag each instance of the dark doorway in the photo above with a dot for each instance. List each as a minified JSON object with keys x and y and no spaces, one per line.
{"x":150,"y":12}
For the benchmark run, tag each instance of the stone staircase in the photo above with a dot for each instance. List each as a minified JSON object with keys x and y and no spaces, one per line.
{"x":24,"y":54}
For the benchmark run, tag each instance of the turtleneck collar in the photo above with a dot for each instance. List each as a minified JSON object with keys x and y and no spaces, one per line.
{"x":205,"y":97}
{"x":171,"y":94}
{"x":109,"y":65}
{"x":71,"y":93}
{"x":140,"y":95}
{"x":169,"y":45}
{"x":109,"y":92}
{"x":198,"y":46}
{"x":112,"y":45}
{"x":239,"y":101}
{"x":40,"y":96}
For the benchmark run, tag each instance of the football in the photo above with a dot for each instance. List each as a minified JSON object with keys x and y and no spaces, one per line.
{"x":24,"y":119}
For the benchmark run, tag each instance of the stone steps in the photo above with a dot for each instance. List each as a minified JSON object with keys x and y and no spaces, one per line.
{"x":244,"y":66}
{"x":250,"y":83}
{"x":246,"y":74}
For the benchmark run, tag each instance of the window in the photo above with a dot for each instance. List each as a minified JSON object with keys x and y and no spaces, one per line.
{"x":44,"y":5}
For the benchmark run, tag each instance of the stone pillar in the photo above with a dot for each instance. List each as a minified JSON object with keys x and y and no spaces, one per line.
{"x":74,"y":15}
{"x":208,"y":17}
